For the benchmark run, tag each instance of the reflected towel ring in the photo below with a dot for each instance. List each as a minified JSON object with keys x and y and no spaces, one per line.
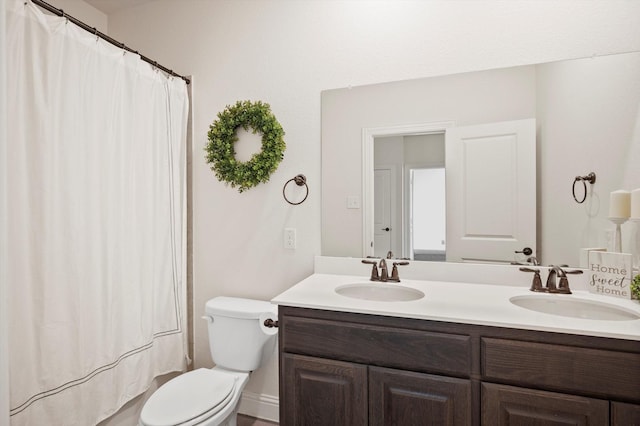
{"x":299,"y":180}
{"x":591,"y":178}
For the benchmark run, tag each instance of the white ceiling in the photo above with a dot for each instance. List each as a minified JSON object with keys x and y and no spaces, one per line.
{"x":113,"y":6}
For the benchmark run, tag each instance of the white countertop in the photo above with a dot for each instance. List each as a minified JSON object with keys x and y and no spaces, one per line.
{"x":460,"y":302}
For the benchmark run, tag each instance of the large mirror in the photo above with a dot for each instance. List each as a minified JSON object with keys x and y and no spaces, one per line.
{"x":586,"y":115}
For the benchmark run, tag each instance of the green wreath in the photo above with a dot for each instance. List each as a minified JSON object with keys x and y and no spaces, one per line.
{"x":223,"y":135}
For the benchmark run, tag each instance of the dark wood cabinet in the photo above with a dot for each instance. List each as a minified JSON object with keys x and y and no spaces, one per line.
{"x":339,"y":368}
{"x":623,"y":414}
{"x":406,"y":398}
{"x":508,"y":405}
{"x":320,"y":391}
{"x":324,"y":392}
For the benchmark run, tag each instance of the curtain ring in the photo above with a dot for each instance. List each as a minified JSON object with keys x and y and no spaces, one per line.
{"x":299,"y":180}
{"x":591,"y":178}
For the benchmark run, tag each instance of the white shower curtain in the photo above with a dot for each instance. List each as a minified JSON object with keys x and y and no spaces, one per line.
{"x":4,"y":318}
{"x":95,"y":214}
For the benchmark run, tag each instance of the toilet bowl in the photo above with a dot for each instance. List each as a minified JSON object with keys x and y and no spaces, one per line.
{"x":209,"y":397}
{"x":202,"y":397}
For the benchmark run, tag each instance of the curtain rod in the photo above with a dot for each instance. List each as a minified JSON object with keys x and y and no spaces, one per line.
{"x":103,"y":36}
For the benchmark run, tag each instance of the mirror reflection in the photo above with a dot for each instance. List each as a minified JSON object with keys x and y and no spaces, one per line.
{"x":586,"y":116}
{"x":412,"y":225}
{"x":489,"y":185}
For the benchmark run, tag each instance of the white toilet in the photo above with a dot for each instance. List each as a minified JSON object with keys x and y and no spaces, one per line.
{"x":209,"y":397}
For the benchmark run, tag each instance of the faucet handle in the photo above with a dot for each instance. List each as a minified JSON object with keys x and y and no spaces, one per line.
{"x":536,"y":284}
{"x":394,"y":272}
{"x":563,"y":284}
{"x":374,"y":270}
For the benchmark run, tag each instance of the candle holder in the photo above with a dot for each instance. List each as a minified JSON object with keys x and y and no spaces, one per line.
{"x":617,"y":236}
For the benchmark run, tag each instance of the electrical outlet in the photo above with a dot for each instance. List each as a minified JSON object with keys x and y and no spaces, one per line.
{"x":290,"y":238}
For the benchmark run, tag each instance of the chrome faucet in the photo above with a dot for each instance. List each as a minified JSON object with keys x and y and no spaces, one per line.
{"x":383,"y":275}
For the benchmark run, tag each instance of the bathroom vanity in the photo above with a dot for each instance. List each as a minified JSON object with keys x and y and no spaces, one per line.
{"x":458,"y":356}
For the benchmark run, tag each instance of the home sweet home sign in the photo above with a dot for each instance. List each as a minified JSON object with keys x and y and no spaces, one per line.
{"x":610,"y":274}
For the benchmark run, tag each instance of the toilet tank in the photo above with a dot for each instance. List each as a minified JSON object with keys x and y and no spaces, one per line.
{"x":237,"y":339}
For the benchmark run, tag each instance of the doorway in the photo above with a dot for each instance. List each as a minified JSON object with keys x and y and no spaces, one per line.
{"x":426,"y":213}
{"x":406,"y":167}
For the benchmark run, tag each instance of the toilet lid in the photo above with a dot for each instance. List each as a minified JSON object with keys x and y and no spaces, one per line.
{"x":186,"y":397}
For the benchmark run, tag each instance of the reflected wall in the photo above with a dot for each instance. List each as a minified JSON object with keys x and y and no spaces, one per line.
{"x":587,"y":115}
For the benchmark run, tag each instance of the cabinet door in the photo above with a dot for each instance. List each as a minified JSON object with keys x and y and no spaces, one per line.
{"x":405,"y":398}
{"x":624,"y":414}
{"x":322,"y":392}
{"x":508,"y":405}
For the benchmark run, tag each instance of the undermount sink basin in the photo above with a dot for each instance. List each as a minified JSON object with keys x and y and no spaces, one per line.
{"x":380,"y":292}
{"x":574,"y":308}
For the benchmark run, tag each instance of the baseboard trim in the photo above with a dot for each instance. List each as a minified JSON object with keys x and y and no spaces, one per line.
{"x":262,"y":406}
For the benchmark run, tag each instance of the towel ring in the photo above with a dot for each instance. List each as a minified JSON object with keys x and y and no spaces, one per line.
{"x":299,"y":180}
{"x":591,"y":178}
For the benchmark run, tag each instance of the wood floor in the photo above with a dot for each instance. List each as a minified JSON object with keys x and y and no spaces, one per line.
{"x":252,"y":421}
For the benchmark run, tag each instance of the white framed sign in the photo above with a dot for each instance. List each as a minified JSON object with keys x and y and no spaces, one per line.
{"x":610,"y":274}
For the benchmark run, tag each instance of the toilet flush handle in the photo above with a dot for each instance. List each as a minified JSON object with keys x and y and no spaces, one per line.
{"x":269,"y":323}
{"x":208,"y":318}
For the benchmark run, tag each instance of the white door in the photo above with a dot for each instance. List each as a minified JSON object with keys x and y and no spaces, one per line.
{"x":382,"y":212}
{"x":491,"y":190}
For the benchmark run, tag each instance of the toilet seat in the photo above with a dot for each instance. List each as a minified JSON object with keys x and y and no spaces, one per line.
{"x":189,"y":398}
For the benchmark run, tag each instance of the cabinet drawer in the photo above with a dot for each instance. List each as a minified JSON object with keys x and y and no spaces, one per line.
{"x":624,"y":414}
{"x":508,"y":405}
{"x":377,"y":345}
{"x":602,"y":373}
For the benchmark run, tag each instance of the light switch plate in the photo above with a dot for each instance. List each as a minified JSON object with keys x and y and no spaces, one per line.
{"x":353,"y":202}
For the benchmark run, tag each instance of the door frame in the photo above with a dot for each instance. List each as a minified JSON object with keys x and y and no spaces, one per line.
{"x":368,"y":136}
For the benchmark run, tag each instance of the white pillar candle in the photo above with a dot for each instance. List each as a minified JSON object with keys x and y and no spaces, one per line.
{"x":635,"y":203}
{"x":620,"y":204}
